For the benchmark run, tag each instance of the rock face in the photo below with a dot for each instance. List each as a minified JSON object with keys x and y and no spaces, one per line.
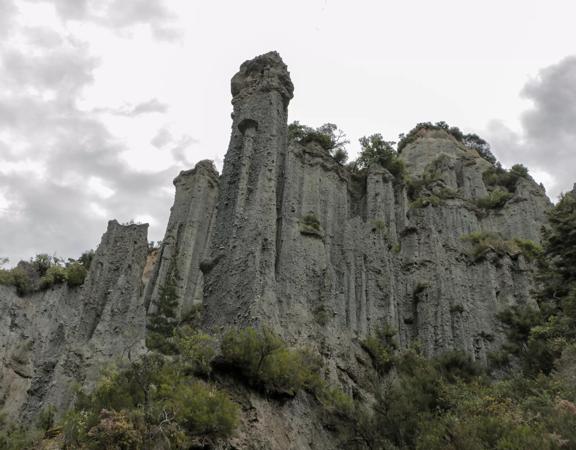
{"x":51,"y":340}
{"x":240,"y":275}
{"x":288,"y":238}
{"x":187,"y":235}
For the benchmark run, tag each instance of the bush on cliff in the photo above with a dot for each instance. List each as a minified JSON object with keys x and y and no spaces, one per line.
{"x":327,"y":136}
{"x":498,"y":177}
{"x":43,"y":272}
{"x":381,"y":347}
{"x":265,"y":360}
{"x":376,"y":150}
{"x":150,"y":403}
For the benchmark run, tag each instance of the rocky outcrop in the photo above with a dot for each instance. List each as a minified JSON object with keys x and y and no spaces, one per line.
{"x":52,"y":340}
{"x":240,"y":285}
{"x":187,"y":236}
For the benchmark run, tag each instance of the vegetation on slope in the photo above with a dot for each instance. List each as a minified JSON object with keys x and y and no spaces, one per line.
{"x":45,"y":271}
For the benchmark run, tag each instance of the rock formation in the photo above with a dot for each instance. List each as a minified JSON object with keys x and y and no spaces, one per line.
{"x":288,"y":238}
{"x":51,"y":341}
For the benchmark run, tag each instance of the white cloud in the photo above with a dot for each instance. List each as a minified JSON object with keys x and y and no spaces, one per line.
{"x":547,"y":141}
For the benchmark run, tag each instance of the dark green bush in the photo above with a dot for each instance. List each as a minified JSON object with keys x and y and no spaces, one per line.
{"x":376,"y":150}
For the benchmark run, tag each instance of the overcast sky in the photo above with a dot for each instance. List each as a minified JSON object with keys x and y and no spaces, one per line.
{"x":103,"y":102}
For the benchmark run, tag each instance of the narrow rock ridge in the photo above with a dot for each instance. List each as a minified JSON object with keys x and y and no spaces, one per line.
{"x":187,"y":236}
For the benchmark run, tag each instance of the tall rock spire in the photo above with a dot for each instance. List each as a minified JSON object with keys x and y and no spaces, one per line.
{"x":240,"y":274}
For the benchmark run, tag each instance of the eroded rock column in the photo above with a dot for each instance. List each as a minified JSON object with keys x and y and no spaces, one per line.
{"x":240,"y":269}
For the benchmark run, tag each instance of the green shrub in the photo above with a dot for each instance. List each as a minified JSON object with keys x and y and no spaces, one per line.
{"x":162,"y":322}
{"x":340,"y":156}
{"x":6,"y":277}
{"x":328,"y":136}
{"x":203,"y":410}
{"x":18,"y":437}
{"x":375,"y":150}
{"x":197,"y":350}
{"x":530,"y":249}
{"x":54,"y":275}
{"x":266,"y":362}
{"x":495,"y":199}
{"x":456,"y":365}
{"x":425,"y":201}
{"x":22,"y":281}
{"x":75,"y":274}
{"x":497,"y":176}
{"x":310,"y":225}
{"x":484,"y":242}
{"x":381,"y":347}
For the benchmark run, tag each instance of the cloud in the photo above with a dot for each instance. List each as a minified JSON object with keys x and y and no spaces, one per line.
{"x":547,"y":143}
{"x":120,"y":14}
{"x":150,"y":106}
{"x":56,"y":159}
{"x":7,"y":11}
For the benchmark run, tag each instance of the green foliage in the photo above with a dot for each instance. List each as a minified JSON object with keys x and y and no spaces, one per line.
{"x":76,"y":274}
{"x":46,"y":418}
{"x":265,"y":361}
{"x":43,"y":272}
{"x":115,"y":430}
{"x":425,"y":201}
{"x":496,"y":199}
{"x":196,"y":351}
{"x":55,"y":274}
{"x":86,"y":259}
{"x":162,"y":322}
{"x":203,"y":410}
{"x":310,"y":225}
{"x":496,"y":176}
{"x":471,"y":141}
{"x":7,"y":277}
{"x":153,"y":401}
{"x":484,"y":242}
{"x":328,"y":136}
{"x":17,"y":437}
{"x":530,"y":249}
{"x":340,"y":156}
{"x":381,"y":347}
{"x":376,"y":150}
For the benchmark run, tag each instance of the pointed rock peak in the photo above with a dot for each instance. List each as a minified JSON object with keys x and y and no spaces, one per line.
{"x":266,"y":72}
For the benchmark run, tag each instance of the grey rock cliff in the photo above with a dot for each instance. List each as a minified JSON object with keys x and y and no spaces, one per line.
{"x":52,"y":340}
{"x":287,"y":238}
{"x":240,"y":285}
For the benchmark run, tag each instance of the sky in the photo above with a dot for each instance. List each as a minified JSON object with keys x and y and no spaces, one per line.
{"x":103,"y":102}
